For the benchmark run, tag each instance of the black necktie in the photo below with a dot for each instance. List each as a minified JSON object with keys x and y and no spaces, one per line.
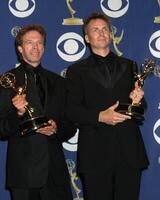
{"x":40,"y":89}
{"x":106,"y":66}
{"x":104,"y":70}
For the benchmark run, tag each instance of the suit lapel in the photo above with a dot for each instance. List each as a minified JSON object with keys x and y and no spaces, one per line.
{"x":119,"y":69}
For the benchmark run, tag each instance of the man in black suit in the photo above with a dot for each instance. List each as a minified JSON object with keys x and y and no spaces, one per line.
{"x":111,"y":153}
{"x":36,"y":168}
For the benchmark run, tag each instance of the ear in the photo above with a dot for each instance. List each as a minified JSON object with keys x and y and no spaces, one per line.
{"x":86,"y":38}
{"x":19,"y":49}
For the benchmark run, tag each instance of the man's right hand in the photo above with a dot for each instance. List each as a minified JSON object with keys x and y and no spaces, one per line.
{"x":111,"y":117}
{"x":20,"y":103}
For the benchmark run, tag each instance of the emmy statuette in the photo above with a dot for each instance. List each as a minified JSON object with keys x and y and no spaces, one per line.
{"x":8,"y":80}
{"x":136,"y":110}
{"x":72,"y":20}
{"x":74,"y":178}
{"x":157,"y":19}
{"x":116,"y":40}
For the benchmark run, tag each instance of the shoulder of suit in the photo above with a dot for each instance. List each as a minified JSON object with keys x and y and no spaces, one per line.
{"x":53,"y":75}
{"x":82,"y":64}
{"x":13,"y":70}
{"x":123,"y":59}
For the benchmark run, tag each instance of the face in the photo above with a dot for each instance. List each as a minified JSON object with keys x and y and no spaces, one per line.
{"x":32,"y":48}
{"x":98,"y":35}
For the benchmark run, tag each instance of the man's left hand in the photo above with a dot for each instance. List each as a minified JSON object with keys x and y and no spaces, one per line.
{"x":137,"y":94}
{"x":48,"y":130}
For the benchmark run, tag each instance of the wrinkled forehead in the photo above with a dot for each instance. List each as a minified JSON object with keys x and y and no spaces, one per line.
{"x":96,"y":23}
{"x":32,"y":34}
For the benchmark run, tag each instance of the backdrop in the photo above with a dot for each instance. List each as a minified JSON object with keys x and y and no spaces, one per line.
{"x":136,"y":28}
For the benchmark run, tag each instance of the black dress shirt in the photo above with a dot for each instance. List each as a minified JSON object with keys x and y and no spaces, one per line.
{"x":35,"y":73}
{"x":105,"y":64}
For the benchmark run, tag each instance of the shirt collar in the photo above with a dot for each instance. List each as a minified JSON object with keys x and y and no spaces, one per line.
{"x":29,"y":67}
{"x":109,"y":58}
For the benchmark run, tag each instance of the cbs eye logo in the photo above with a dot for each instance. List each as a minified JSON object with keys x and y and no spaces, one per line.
{"x":116,"y":8}
{"x":63,"y":73}
{"x":155,"y":131}
{"x":21,"y":8}
{"x":71,"y":144}
{"x":15,"y":30}
{"x":70,"y":47}
{"x":154,"y":44}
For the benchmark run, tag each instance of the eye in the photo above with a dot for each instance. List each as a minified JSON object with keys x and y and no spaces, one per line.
{"x":70,"y":47}
{"x":21,"y":5}
{"x":21,"y":8}
{"x":118,"y":5}
{"x":114,"y":9}
{"x":154,"y":44}
{"x":28,"y":42}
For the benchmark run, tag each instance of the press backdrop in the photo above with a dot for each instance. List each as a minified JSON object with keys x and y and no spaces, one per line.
{"x":136,"y":28}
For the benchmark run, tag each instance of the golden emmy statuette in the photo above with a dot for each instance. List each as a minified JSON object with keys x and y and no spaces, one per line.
{"x":71,"y":166}
{"x":157,"y":19}
{"x":136,"y":110}
{"x":8,"y":80}
{"x":116,"y":40}
{"x":72,"y":20}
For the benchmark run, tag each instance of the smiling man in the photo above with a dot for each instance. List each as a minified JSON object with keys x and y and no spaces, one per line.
{"x":36,"y":167}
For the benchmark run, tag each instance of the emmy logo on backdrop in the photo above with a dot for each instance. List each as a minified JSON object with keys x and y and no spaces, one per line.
{"x":116,"y":40}
{"x":136,"y":110}
{"x":71,"y":166}
{"x":157,"y":19}
{"x":72,"y":20}
{"x":8,"y":80}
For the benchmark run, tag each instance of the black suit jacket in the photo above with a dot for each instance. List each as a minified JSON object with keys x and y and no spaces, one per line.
{"x":33,"y":158}
{"x":89,"y":93}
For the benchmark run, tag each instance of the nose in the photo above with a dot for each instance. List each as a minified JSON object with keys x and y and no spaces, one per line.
{"x":101,"y":32}
{"x":35,"y":45}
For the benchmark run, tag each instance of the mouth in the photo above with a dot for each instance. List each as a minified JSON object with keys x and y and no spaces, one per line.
{"x":35,"y":54}
{"x":102,"y":40}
